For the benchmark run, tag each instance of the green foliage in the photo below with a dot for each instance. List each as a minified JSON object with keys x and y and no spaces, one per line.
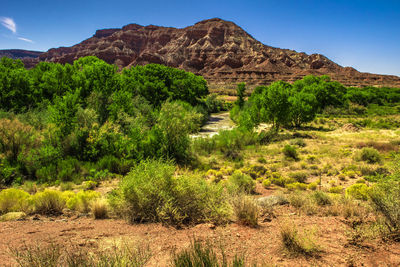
{"x":266,"y":183}
{"x":290,"y":152}
{"x":271,"y":104}
{"x":385,"y":198}
{"x":82,"y":201}
{"x":358,"y":191}
{"x":326,"y":92}
{"x":13,"y":200}
{"x":88,"y":113}
{"x":214,"y":104}
{"x":49,"y":202}
{"x":298,"y":244}
{"x":151,"y":192}
{"x":203,"y":254}
{"x":321,"y":198}
{"x":299,"y":176}
{"x":336,"y":189}
{"x":241,"y":88}
{"x":175,"y":122}
{"x":241,"y":183}
{"x":303,"y":108}
{"x":370,"y":155}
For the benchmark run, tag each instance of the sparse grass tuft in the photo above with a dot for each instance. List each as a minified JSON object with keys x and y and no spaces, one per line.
{"x":246,"y":210}
{"x":203,"y":254}
{"x":99,"y":209}
{"x":296,"y":244}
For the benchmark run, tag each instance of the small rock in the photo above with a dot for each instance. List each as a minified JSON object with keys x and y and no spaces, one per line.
{"x":272,"y":201}
{"x":36,"y":218}
{"x":13,"y":216}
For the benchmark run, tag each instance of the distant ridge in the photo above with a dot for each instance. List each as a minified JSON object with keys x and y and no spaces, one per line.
{"x":219,"y":50}
{"x":19,"y":53}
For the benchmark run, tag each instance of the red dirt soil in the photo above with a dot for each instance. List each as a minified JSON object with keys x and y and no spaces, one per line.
{"x":260,"y":245}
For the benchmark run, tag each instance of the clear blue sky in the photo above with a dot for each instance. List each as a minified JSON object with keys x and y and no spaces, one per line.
{"x":359,"y":33}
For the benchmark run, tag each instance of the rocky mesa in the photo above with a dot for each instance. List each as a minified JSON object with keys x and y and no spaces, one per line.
{"x":219,"y":50}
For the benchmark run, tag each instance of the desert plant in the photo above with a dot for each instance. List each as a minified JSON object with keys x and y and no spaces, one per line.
{"x":54,"y":255}
{"x":49,"y":202}
{"x":266,"y":183}
{"x":300,"y":177}
{"x":245,"y":209}
{"x":150,"y":192}
{"x":336,"y":189}
{"x":321,"y":198}
{"x":290,"y":152}
{"x":358,"y":191}
{"x":385,"y":198}
{"x":296,"y":244}
{"x":99,"y":209}
{"x":370,"y":155}
{"x":203,"y":254}
{"x":13,"y":200}
{"x":240,"y":182}
{"x":37,"y":256}
{"x":82,"y":201}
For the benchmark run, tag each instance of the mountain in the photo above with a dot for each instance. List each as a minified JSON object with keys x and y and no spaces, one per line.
{"x":219,"y":50}
{"x":19,"y":53}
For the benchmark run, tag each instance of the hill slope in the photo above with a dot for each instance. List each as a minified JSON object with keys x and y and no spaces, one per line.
{"x":219,"y":50}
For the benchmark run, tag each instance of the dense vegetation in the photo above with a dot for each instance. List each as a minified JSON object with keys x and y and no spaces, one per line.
{"x":293,"y":105}
{"x":68,"y":122}
{"x":301,"y":145}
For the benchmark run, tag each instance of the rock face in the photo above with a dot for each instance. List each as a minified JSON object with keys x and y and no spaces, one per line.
{"x":19,"y":53}
{"x":219,"y":50}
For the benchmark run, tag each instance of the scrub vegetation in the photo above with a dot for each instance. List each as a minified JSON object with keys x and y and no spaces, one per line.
{"x":87,"y":140}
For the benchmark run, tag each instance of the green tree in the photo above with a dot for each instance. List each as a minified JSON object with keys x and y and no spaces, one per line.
{"x":303,"y":108}
{"x":241,"y":88}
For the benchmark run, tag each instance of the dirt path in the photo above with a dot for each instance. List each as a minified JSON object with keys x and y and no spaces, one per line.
{"x":216,"y":122}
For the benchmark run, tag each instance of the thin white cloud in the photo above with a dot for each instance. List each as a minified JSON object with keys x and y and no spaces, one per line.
{"x":9,"y":24}
{"x":25,"y":39}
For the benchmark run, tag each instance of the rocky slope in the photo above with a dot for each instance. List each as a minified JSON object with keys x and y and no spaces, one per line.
{"x":219,"y":50}
{"x":19,"y":53}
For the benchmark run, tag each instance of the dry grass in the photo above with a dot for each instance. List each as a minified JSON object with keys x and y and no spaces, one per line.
{"x":246,"y":210}
{"x":297,"y":243}
{"x":99,"y":209}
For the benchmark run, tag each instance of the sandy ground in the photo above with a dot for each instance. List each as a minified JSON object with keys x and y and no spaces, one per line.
{"x":260,"y":245}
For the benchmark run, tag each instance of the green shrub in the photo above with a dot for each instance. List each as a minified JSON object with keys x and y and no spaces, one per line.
{"x":262,"y":160}
{"x":299,"y":176}
{"x":385,"y":198}
{"x":336,"y":189}
{"x":297,"y":244}
{"x":312,"y":186}
{"x":370,"y":155}
{"x":66,"y":186}
{"x":266,"y":183}
{"x":298,"y":142}
{"x":290,"y":152}
{"x":240,"y":182}
{"x":321,"y":198}
{"x":151,"y":192}
{"x":49,"y":202}
{"x":82,"y":201}
{"x":296,"y":186}
{"x":13,"y":200}
{"x":358,"y":191}
{"x":203,"y":254}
